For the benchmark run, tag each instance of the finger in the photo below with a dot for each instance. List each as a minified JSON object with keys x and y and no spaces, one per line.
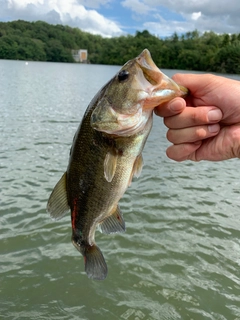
{"x":199,"y":86}
{"x":183,"y":151}
{"x":192,"y":134}
{"x":190,"y":117}
{"x":196,"y":83}
{"x":171,"y":108}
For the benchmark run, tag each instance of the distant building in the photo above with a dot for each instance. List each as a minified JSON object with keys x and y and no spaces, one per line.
{"x":80,"y":55}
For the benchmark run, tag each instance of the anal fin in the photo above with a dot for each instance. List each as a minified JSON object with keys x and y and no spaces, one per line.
{"x":113,"y":223}
{"x":57,"y":204}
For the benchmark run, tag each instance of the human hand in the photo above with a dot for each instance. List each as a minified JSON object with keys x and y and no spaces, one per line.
{"x":205,"y":126}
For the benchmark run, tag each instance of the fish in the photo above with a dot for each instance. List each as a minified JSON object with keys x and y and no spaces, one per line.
{"x":106,"y":154}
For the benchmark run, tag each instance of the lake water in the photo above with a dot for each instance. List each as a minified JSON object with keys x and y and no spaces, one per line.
{"x":180,"y":255}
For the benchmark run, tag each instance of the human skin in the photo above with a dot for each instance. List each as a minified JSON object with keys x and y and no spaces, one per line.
{"x":206,"y":125}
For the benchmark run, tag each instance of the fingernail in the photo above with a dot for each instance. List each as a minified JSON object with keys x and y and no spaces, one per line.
{"x":215,"y":115}
{"x":213,"y":128}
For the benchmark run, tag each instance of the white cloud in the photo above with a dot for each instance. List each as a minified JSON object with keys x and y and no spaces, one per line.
{"x":137,"y":6}
{"x":69,"y":12}
{"x":162,"y":17}
{"x":165,"y":29}
{"x":21,"y":4}
{"x":196,"y":15}
{"x":207,"y":7}
{"x":94,"y":3}
{"x":220,"y":16}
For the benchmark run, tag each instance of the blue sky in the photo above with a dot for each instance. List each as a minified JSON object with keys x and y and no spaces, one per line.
{"x":132,"y":19}
{"x":113,"y":17}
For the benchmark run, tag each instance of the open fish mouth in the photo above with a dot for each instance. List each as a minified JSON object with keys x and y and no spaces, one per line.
{"x":142,"y":87}
{"x":107,"y":153}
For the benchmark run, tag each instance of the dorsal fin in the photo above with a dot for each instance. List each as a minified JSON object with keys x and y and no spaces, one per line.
{"x":57,"y":204}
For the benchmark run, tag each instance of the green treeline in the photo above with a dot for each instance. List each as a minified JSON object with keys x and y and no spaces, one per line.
{"x":40,"y":41}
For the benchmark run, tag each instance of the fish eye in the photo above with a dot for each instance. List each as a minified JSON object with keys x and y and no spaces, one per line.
{"x":123,"y":75}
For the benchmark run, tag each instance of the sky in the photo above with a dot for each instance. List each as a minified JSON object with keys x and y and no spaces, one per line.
{"x":110,"y":18}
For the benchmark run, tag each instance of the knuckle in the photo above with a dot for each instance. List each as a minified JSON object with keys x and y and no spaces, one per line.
{"x":170,"y":135}
{"x":166,"y":121}
{"x":201,"y":133}
{"x":235,"y":138}
{"x":196,"y":116}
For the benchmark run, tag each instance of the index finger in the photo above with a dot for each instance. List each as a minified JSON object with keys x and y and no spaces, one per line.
{"x":191,"y":117}
{"x":171,"y":108}
{"x":199,"y":86}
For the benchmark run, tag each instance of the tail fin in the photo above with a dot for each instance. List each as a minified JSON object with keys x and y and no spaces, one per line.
{"x":95,"y":265}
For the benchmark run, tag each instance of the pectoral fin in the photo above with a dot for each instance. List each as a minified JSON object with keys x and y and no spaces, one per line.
{"x":114,"y":223}
{"x":138,"y":165}
{"x":110,"y":165}
{"x":57,"y":204}
{"x":137,"y":168}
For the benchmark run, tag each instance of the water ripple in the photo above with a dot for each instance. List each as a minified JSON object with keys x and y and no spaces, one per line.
{"x":180,"y":255}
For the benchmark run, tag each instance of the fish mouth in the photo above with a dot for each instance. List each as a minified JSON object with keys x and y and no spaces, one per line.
{"x":165,"y":92}
{"x":142,"y":88}
{"x":163,"y":88}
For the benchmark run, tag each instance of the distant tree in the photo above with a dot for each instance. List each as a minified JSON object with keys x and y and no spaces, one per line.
{"x":225,"y":40}
{"x":55,"y":52}
{"x":143,"y":34}
{"x":192,"y":50}
{"x":175,"y":37}
{"x":8,"y":48}
{"x":233,"y":38}
{"x":228,"y":59}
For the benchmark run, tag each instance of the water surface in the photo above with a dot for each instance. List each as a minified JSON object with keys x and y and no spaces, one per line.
{"x":180,"y":255}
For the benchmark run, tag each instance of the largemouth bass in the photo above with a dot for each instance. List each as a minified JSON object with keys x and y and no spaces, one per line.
{"x":107,"y":152}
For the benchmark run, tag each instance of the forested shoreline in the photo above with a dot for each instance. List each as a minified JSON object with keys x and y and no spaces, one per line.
{"x":40,"y":41}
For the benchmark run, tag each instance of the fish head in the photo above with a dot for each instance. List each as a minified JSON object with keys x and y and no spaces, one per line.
{"x":127,"y":101}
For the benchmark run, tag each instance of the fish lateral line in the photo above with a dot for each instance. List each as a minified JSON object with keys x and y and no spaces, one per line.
{"x":106,"y":154}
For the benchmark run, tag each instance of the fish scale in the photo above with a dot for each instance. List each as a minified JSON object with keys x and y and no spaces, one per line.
{"x":107,"y":152}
